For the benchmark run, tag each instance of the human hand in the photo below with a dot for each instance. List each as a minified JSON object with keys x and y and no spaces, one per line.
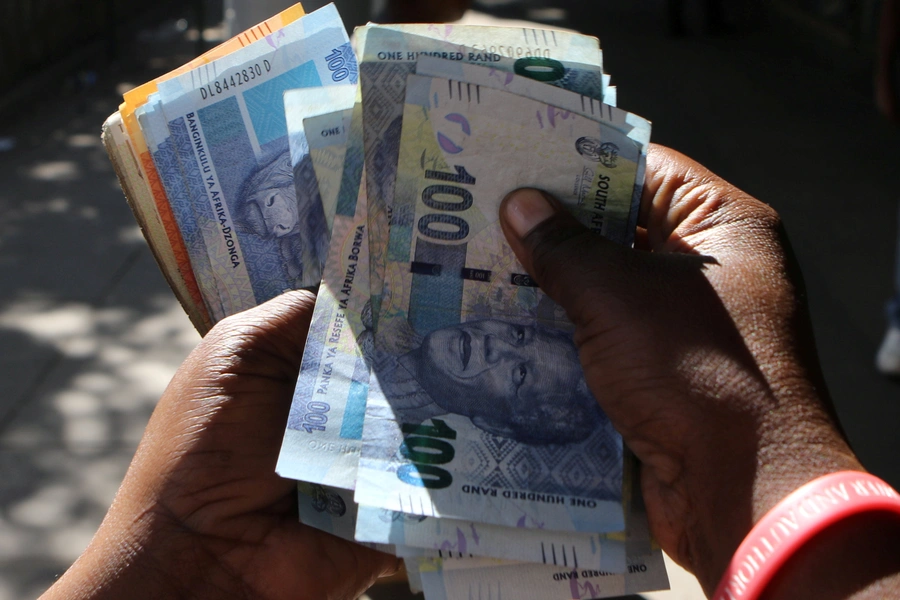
{"x":697,"y":346}
{"x":201,"y":512}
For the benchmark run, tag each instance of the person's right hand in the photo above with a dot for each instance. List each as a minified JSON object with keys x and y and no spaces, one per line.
{"x":698,"y":347}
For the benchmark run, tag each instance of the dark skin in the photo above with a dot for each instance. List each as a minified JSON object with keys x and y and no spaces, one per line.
{"x":697,"y":345}
{"x":201,"y":513}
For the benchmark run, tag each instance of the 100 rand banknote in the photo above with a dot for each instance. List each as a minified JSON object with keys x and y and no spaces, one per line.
{"x":560,"y":102}
{"x":643,"y":568}
{"x":477,"y":406}
{"x":470,"y":538}
{"x":487,"y":578}
{"x":181,"y":197}
{"x":337,"y":468}
{"x":610,"y":553}
{"x":563,"y":59}
{"x":323,"y":434}
{"x":334,"y":511}
{"x":229,"y":118}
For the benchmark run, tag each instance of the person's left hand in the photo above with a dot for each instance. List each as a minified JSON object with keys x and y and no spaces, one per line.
{"x":201,"y":512}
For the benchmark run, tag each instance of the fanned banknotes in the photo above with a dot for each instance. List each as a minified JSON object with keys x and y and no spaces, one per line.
{"x":440,"y":413}
{"x":477,"y":403}
{"x":140,"y":179}
{"x":260,"y":237}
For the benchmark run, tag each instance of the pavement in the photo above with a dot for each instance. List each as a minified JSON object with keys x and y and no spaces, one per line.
{"x":90,"y":333}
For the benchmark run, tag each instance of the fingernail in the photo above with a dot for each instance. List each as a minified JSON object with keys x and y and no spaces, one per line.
{"x":526,"y":209}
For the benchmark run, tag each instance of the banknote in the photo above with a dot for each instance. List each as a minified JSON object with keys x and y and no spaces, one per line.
{"x":324,"y":429}
{"x":227,"y":117}
{"x":331,"y":510}
{"x":135,"y":184}
{"x":477,"y":406}
{"x":327,"y":150}
{"x":453,"y":536}
{"x":298,"y":106}
{"x":157,"y":215}
{"x":178,"y":195}
{"x":434,"y":66}
{"x":158,"y":220}
{"x":445,"y":579}
{"x":567,"y":60}
{"x":635,"y":127}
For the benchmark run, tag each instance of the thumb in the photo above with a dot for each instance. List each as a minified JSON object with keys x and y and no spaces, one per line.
{"x":576,"y":267}
{"x":616,"y":296}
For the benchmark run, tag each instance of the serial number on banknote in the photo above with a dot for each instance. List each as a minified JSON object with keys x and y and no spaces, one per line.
{"x":514,"y":51}
{"x":236,"y":79}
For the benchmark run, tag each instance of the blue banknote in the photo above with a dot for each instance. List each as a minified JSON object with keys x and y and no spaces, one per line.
{"x":178,"y":192}
{"x":227,"y":118}
{"x":324,"y":430}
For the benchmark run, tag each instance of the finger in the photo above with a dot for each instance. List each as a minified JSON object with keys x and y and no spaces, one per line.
{"x":231,"y":398}
{"x":682,"y":198}
{"x":569,"y":262}
{"x":608,"y":291}
{"x":267,"y":339}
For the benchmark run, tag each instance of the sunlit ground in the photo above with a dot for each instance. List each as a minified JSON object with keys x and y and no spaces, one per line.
{"x":89,"y":332}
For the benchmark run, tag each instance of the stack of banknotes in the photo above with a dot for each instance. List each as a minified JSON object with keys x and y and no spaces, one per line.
{"x":440,"y":412}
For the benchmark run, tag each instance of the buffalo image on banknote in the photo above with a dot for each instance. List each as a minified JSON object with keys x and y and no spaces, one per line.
{"x":271,"y":208}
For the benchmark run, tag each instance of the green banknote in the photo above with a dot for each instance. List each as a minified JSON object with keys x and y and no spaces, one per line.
{"x":635,"y":127}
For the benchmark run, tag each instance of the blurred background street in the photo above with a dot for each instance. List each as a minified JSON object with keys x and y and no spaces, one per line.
{"x":778,"y":101}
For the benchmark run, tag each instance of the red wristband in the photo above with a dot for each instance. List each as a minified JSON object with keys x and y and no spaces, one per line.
{"x":793,"y":521}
